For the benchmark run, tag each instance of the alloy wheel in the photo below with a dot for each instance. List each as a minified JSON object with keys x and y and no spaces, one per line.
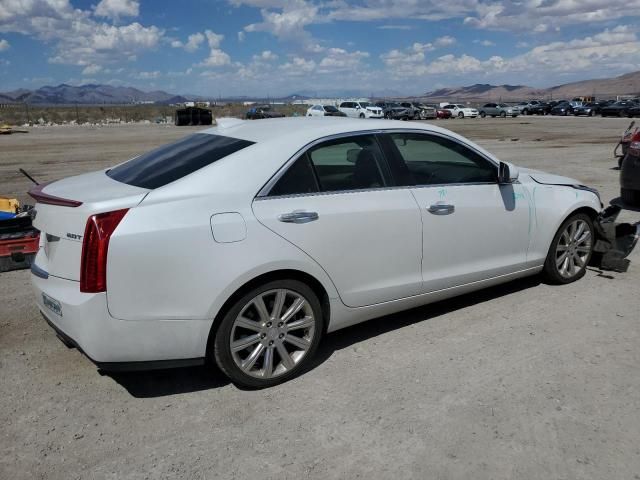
{"x":574,"y":248}
{"x":272,"y":333}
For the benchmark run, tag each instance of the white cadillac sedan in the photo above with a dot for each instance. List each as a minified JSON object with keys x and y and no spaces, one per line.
{"x":246,"y":243}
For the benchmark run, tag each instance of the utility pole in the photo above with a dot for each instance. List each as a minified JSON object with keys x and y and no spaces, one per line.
{"x":26,"y":108}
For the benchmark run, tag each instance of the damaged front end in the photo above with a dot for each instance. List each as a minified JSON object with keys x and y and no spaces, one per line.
{"x":614,"y":241}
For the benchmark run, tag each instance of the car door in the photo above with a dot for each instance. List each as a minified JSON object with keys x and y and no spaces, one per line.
{"x":491,"y":109}
{"x":334,"y":203}
{"x":349,"y":109}
{"x":473,"y":228}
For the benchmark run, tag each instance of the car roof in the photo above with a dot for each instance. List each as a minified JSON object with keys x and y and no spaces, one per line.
{"x":302,"y":130}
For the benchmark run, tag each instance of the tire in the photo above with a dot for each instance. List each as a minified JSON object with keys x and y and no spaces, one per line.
{"x":525,"y":112}
{"x":362,"y":115}
{"x":264,"y":336}
{"x":482,"y":114}
{"x":461,"y":115}
{"x":577,"y":254}
{"x":503,"y":114}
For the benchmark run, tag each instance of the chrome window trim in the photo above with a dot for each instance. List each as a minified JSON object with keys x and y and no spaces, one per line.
{"x":264,"y":191}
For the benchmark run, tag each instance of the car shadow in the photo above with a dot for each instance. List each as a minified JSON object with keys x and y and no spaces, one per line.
{"x":358,"y":333}
{"x":173,"y":381}
{"x":160,"y":383}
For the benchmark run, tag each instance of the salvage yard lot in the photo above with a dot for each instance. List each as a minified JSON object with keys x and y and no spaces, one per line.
{"x":519,"y":381}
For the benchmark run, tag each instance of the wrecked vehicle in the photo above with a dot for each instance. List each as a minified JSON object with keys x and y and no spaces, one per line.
{"x":630,"y":173}
{"x":18,"y":238}
{"x":620,"y":150}
{"x":339,"y":222}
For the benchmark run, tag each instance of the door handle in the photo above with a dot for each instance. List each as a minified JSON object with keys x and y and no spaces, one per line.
{"x":298,"y":216}
{"x":441,"y":209}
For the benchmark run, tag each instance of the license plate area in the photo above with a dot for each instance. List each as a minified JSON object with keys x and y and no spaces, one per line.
{"x":52,"y":304}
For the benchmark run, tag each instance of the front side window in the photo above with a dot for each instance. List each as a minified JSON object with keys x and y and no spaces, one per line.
{"x":433,"y":160}
{"x":176,"y":160}
{"x":352,"y":163}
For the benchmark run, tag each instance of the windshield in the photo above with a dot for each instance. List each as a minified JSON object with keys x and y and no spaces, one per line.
{"x":176,"y":160}
{"x":364,"y":104}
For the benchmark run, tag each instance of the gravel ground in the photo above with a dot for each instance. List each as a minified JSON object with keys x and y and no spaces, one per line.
{"x":521,"y":381}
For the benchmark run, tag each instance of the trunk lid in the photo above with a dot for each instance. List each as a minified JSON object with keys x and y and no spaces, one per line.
{"x":62,"y":210}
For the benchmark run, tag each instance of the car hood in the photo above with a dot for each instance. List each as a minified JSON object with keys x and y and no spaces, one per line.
{"x":548,"y":178}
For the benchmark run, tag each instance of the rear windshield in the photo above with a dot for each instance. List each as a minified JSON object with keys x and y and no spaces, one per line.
{"x":176,"y":160}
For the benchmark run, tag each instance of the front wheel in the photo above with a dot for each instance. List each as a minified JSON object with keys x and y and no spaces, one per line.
{"x":503,"y":114}
{"x":570,"y":250}
{"x":461,"y":115}
{"x":362,"y":115}
{"x":482,"y":114}
{"x":269,"y":335}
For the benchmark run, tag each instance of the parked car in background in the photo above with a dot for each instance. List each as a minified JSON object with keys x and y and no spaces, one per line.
{"x":427,"y":111}
{"x":443,"y":113}
{"x":461,"y":111}
{"x":634,"y":111}
{"x":393,"y":111}
{"x":263,"y":111}
{"x":499,"y":110}
{"x":324,"y":111}
{"x":588,"y":109}
{"x":618,"y":109}
{"x":564,"y":108}
{"x":525,"y":107}
{"x":541,"y":108}
{"x":360,"y":110}
{"x":413,"y":109}
{"x":270,"y":255}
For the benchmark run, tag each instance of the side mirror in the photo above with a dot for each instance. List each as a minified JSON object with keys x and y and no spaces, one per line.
{"x":357,"y":107}
{"x":507,"y":173}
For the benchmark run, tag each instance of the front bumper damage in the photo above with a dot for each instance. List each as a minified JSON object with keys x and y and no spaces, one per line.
{"x":614,"y":241}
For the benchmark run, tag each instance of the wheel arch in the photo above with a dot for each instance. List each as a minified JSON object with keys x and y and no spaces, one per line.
{"x":281,"y":274}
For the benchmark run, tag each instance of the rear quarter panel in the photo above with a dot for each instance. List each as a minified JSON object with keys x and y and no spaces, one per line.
{"x":165,"y":264}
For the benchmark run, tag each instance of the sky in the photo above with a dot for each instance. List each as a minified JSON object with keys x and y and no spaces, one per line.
{"x":281,"y":47}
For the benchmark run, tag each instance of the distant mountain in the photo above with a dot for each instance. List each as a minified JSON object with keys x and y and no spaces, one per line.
{"x":88,"y":94}
{"x":628,"y":84}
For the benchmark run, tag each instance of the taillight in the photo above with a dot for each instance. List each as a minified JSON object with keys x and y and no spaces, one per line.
{"x":93,"y":269}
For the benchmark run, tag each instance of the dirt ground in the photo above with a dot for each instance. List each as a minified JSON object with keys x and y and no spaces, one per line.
{"x":521,"y":381}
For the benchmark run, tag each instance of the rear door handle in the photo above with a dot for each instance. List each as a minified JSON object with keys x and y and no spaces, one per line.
{"x":298,"y":216}
{"x":441,"y":209}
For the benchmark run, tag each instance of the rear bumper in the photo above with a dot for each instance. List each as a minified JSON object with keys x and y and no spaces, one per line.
{"x":84,"y":322}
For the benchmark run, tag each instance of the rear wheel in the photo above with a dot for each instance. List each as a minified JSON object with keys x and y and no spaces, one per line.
{"x":269,"y":335}
{"x":570,"y":250}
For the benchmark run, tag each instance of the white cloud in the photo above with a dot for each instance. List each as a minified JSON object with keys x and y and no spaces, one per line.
{"x":338,"y":59}
{"x":76,"y":37}
{"x":92,"y":69}
{"x":4,"y":45}
{"x":115,"y":9}
{"x":265,"y":56}
{"x":192,"y":44}
{"x":217,"y":57}
{"x":298,"y":66}
{"x":611,"y":50}
{"x":241,"y":36}
{"x":289,"y":22}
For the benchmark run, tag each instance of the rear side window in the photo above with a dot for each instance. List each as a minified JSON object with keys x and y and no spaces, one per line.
{"x":176,"y":160}
{"x":352,"y":163}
